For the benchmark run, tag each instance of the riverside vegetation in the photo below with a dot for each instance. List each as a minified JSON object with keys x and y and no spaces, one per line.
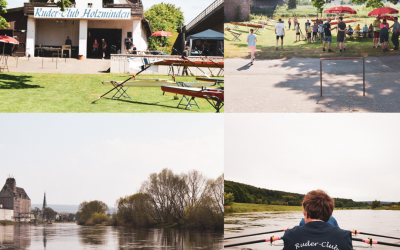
{"x":241,"y":198}
{"x":165,"y":199}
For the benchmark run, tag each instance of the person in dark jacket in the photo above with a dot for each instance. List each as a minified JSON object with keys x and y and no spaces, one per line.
{"x":317,"y":234}
{"x":68,"y":41}
{"x":185,"y":55}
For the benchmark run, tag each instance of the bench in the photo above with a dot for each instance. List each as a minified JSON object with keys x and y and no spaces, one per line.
{"x":235,"y":34}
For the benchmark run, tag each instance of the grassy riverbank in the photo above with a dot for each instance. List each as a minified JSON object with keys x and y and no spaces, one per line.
{"x":73,"y":93}
{"x":248,"y":207}
{"x":266,"y":44}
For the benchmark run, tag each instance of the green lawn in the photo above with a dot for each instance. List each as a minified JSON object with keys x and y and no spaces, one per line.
{"x":73,"y":93}
{"x":266,"y":45}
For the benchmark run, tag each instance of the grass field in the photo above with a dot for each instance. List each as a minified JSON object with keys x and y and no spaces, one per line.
{"x":73,"y":93}
{"x":309,"y":10}
{"x":266,"y":45}
{"x":248,"y":207}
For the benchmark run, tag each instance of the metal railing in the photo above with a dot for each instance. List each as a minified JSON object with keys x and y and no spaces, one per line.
{"x":339,"y":59}
{"x":206,"y":12}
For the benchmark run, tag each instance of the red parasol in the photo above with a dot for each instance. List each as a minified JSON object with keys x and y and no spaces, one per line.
{"x":8,"y":39}
{"x":341,"y":9}
{"x":161,"y":33}
{"x":383,"y":11}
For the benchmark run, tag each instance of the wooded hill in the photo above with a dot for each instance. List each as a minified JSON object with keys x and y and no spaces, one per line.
{"x":244,"y":193}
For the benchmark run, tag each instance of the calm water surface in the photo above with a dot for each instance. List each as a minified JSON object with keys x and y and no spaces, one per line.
{"x":376,"y":222}
{"x":71,"y":236}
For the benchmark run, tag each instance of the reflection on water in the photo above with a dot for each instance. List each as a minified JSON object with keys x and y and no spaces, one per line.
{"x":71,"y":236}
{"x":370,"y":221}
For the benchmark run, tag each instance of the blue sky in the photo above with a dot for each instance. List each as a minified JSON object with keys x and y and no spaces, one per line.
{"x":190,"y":11}
{"x":77,"y":157}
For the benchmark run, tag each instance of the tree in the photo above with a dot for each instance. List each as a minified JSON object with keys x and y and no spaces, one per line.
{"x":165,"y":17}
{"x":292,"y":4}
{"x":133,"y":210}
{"x":228,"y":199}
{"x":376,"y":204}
{"x":319,"y":4}
{"x":87,"y":209}
{"x":48,"y":214}
{"x":3,"y":22}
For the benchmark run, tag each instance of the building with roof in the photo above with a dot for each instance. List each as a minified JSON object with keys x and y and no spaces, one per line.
{"x":44,"y":29}
{"x":16,"y":199}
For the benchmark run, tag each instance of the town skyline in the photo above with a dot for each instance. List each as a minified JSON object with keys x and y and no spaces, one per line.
{"x":72,"y":172}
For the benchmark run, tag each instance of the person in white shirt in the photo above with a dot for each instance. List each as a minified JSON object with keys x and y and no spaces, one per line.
{"x":251,"y":40}
{"x":280,"y":32}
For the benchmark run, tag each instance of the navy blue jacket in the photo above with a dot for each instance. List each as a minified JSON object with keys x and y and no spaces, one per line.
{"x":317,"y":235}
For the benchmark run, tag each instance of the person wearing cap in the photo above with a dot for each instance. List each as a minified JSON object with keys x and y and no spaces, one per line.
{"x":103,"y":47}
{"x":316,"y":233}
{"x":68,"y":41}
{"x":395,"y":35}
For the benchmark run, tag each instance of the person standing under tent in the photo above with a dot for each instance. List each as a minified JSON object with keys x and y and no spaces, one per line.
{"x":328,"y":35}
{"x":395,"y":35}
{"x":341,"y":34}
{"x":317,"y":233}
{"x":185,"y":55}
{"x":384,"y":35}
{"x":251,"y":41}
{"x":103,"y":48}
{"x":376,"y":24}
{"x":68,"y":41}
{"x":206,"y":48}
{"x":280,"y":33}
{"x":95,"y":48}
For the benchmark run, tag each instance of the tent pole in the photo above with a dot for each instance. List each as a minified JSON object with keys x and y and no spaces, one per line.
{"x":190,"y":51}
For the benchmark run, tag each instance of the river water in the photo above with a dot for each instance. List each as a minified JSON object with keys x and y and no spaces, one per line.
{"x":71,"y":236}
{"x":380,"y":222}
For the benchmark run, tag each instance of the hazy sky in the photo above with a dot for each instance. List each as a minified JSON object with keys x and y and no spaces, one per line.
{"x":348,"y":155}
{"x":77,"y":157}
{"x":190,"y":8}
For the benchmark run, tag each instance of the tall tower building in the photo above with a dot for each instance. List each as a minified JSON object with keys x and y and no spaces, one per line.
{"x":44,"y":201}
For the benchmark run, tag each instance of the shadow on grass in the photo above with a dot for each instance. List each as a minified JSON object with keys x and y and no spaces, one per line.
{"x":141,"y":103}
{"x":8,"y":81}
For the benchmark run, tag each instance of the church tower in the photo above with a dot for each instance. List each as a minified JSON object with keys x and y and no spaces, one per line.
{"x":44,"y":201}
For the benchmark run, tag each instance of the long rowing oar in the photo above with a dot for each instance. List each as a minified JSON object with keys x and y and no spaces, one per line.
{"x":377,"y":235}
{"x":277,"y":231}
{"x":272,"y":239}
{"x":191,"y":62}
{"x":201,"y":53}
{"x":370,"y":242}
{"x":122,"y":83}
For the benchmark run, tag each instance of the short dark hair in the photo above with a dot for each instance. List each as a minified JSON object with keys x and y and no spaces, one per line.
{"x":395,"y":18}
{"x":341,"y":18}
{"x":280,"y":19}
{"x":318,"y":205}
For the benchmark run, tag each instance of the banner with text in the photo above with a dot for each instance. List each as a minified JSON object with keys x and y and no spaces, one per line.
{"x":88,"y":13}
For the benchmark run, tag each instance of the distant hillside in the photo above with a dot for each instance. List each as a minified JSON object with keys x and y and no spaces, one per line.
{"x":244,"y":193}
{"x":64,"y":208}
{"x":270,"y":3}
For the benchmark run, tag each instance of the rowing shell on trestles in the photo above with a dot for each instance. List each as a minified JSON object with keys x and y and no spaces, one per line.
{"x":157,"y":83}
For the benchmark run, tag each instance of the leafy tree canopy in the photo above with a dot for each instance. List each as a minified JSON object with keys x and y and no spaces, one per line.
{"x":167,"y":17}
{"x":3,"y":7}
